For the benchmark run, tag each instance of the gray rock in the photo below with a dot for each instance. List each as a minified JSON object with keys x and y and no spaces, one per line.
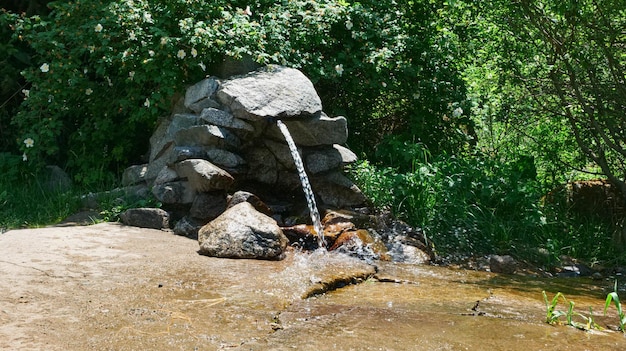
{"x":261,"y":165}
{"x":502,"y":264}
{"x":242,"y":232}
{"x":206,"y":135}
{"x":282,"y":154}
{"x":163,"y":137}
{"x":226,"y":159}
{"x":314,"y":131}
{"x":204,"y":176}
{"x":244,"y":196}
{"x":158,"y":139}
{"x":181,"y":153}
{"x":336,"y":190}
{"x":269,"y":92}
{"x":134,"y":175}
{"x":56,"y":179}
{"x":224,"y":119}
{"x":230,"y":67}
{"x":166,"y":175}
{"x":154,"y":218}
{"x":156,"y":165}
{"x":208,"y":206}
{"x":123,"y":195}
{"x":188,"y":227}
{"x":199,"y":95}
{"x":323,"y":160}
{"x":347,"y":156}
{"x":179,"y":192}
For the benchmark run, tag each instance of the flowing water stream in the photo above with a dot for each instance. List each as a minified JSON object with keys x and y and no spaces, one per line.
{"x":306,"y":185}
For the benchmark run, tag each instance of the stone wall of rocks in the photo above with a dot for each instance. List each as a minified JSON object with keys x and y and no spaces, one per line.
{"x":223,"y":138}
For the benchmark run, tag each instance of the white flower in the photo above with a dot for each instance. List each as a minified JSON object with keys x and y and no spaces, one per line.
{"x":88,"y":91}
{"x":24,"y":157}
{"x":457,"y":112}
{"x":126,"y":53}
{"x":98,"y":28}
{"x":29,"y":142}
{"x":85,"y":70}
{"x":201,"y":64}
{"x":384,"y":84}
{"x":147,"y":17}
{"x":151,"y":53}
{"x":181,"y":54}
{"x":194,"y":52}
{"x":26,"y":93}
{"x":147,"y":103}
{"x":339,"y":69}
{"x":247,"y":11}
{"x":131,"y":75}
{"x":45,"y":68}
{"x":132,"y":36}
{"x":163,"y":40}
{"x":349,"y":25}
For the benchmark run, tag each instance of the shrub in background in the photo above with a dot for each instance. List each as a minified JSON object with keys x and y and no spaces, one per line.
{"x":104,"y":71}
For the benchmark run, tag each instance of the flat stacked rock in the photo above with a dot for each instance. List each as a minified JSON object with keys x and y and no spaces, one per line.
{"x":225,"y":139}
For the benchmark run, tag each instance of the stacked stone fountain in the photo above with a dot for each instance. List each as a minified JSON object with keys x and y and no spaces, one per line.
{"x":224,"y":139}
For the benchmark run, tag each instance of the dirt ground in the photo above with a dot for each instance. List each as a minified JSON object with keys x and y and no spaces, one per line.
{"x":112,"y":287}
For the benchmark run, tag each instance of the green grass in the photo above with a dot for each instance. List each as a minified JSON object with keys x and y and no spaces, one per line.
{"x":25,"y":203}
{"x":476,"y":206}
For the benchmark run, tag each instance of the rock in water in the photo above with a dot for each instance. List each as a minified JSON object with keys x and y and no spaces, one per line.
{"x":242,"y":232}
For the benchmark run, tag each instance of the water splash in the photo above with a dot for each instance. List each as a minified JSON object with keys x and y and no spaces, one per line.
{"x":306,"y":185}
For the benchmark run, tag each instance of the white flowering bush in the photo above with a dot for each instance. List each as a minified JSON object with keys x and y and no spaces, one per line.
{"x":105,"y":71}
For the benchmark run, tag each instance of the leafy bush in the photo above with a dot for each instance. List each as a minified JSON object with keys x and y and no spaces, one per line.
{"x":104,"y":71}
{"x":470,"y":205}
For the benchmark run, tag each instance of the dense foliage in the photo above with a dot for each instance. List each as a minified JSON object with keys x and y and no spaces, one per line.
{"x":467,"y":112}
{"x":99,"y":66}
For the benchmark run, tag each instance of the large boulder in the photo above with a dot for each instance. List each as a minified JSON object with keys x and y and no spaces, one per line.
{"x":270,"y":92}
{"x":242,"y":232}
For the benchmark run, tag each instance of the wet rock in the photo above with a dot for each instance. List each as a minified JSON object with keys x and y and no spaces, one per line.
{"x":574,"y":270}
{"x":154,"y":218}
{"x":362,"y":244}
{"x":503,"y":264}
{"x":269,"y":92}
{"x":242,"y":232}
{"x":208,"y":206}
{"x":203,"y":176}
{"x":403,"y":253}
